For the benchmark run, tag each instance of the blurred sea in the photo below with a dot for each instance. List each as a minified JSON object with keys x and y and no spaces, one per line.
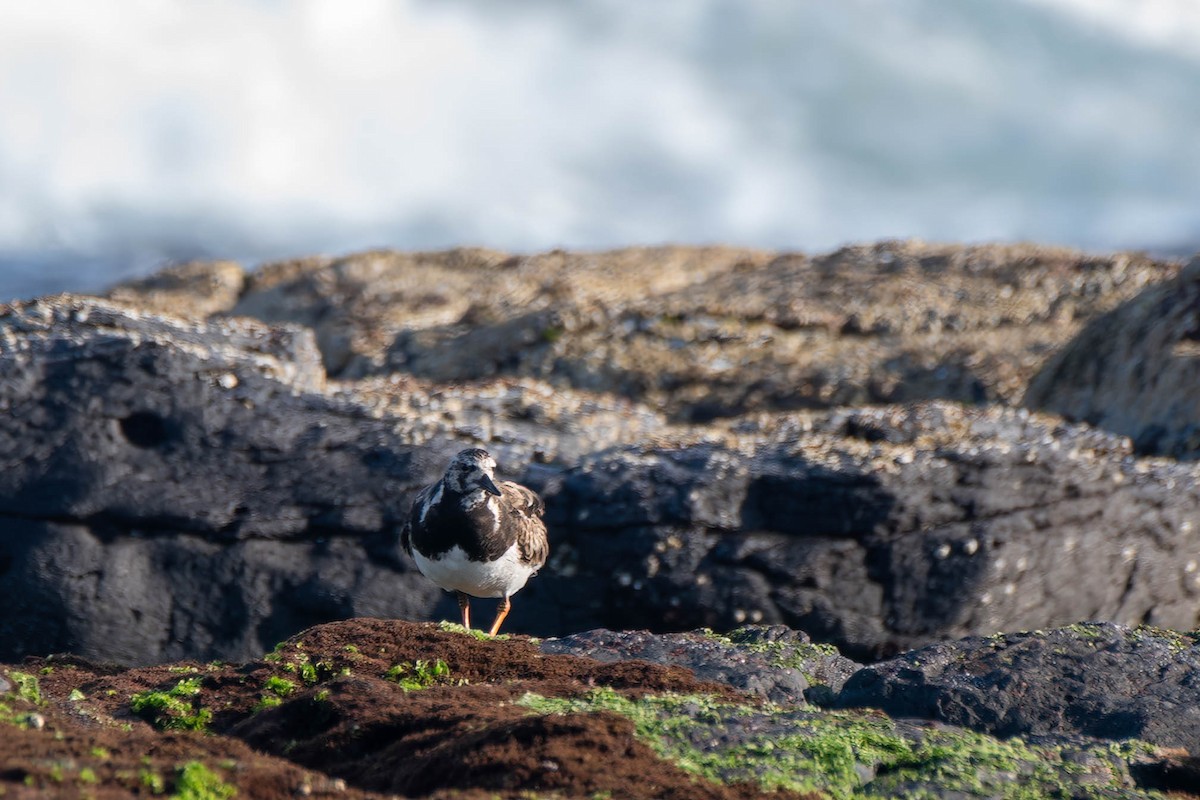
{"x":135,"y":133}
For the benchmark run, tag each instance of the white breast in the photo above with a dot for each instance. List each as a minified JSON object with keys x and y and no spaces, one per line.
{"x":454,"y":571}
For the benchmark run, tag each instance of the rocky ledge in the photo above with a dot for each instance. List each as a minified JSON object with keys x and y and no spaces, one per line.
{"x":905,"y":451}
{"x":210,"y":460}
{"x":372,"y":708}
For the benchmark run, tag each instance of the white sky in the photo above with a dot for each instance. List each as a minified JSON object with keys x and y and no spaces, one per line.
{"x":139,"y":130}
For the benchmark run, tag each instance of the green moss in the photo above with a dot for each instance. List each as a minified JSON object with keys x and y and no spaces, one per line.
{"x":305,"y":669}
{"x":88,"y":775}
{"x":1086,"y":630}
{"x":12,"y":716}
{"x":101,"y":753}
{"x":267,"y":701}
{"x":274,"y":690}
{"x":806,"y":761}
{"x":1133,"y":750}
{"x":845,"y":754}
{"x":299,"y":663}
{"x":454,"y":627}
{"x":1175,"y":640}
{"x":280,"y":650}
{"x":978,"y":764}
{"x":742,"y":638}
{"x":27,"y":687}
{"x":419,"y":674}
{"x":170,"y":709}
{"x":194,"y":781}
{"x":785,"y":655}
{"x":188,"y":687}
{"x":152,"y":781}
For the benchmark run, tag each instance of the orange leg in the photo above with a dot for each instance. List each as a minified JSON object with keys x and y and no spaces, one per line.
{"x":501,"y":613}
{"x":464,"y":605}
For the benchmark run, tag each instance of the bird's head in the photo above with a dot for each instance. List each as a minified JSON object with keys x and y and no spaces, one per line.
{"x":471,"y":470}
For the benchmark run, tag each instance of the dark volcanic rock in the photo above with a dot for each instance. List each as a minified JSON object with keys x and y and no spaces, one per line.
{"x":775,"y":662}
{"x":878,"y":530}
{"x":173,"y":488}
{"x":198,"y":488}
{"x":1099,"y":679}
{"x":182,"y":488}
{"x":1135,"y":370}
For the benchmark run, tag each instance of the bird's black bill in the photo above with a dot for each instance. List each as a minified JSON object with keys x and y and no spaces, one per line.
{"x":489,"y":486}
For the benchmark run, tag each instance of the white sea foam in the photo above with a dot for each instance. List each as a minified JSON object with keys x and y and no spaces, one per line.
{"x":135,"y":131}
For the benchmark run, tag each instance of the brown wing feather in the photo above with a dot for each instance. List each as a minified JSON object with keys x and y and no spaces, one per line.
{"x":406,"y":529}
{"x":527,"y":509}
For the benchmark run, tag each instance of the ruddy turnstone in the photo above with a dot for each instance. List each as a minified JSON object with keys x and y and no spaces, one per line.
{"x":475,"y":536}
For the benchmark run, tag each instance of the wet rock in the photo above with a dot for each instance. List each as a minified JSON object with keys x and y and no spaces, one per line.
{"x":865,"y":754}
{"x":878,"y":530}
{"x":210,"y":465}
{"x":1097,"y":679}
{"x":1134,"y":370}
{"x":774,"y":662}
{"x":195,"y":488}
{"x":176,"y":488}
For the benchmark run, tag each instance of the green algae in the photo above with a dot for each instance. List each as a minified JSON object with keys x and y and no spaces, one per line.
{"x":275,"y":689}
{"x":848,"y":754}
{"x":785,"y":655}
{"x":152,"y":781}
{"x":27,"y":687}
{"x":1176,"y":641}
{"x":299,"y":663}
{"x":194,"y":781}
{"x":1085,"y":630}
{"x":419,"y":674}
{"x":454,"y":627}
{"x":173,"y":709}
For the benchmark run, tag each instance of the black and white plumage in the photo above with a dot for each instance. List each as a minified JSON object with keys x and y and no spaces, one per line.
{"x":475,"y":536}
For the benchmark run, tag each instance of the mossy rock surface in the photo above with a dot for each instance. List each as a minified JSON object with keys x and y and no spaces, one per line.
{"x":371,"y":708}
{"x":1096,"y":679}
{"x":856,"y":754}
{"x":774,"y":662}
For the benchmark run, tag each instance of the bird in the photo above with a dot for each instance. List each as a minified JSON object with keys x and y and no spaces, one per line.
{"x":476,"y":536}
